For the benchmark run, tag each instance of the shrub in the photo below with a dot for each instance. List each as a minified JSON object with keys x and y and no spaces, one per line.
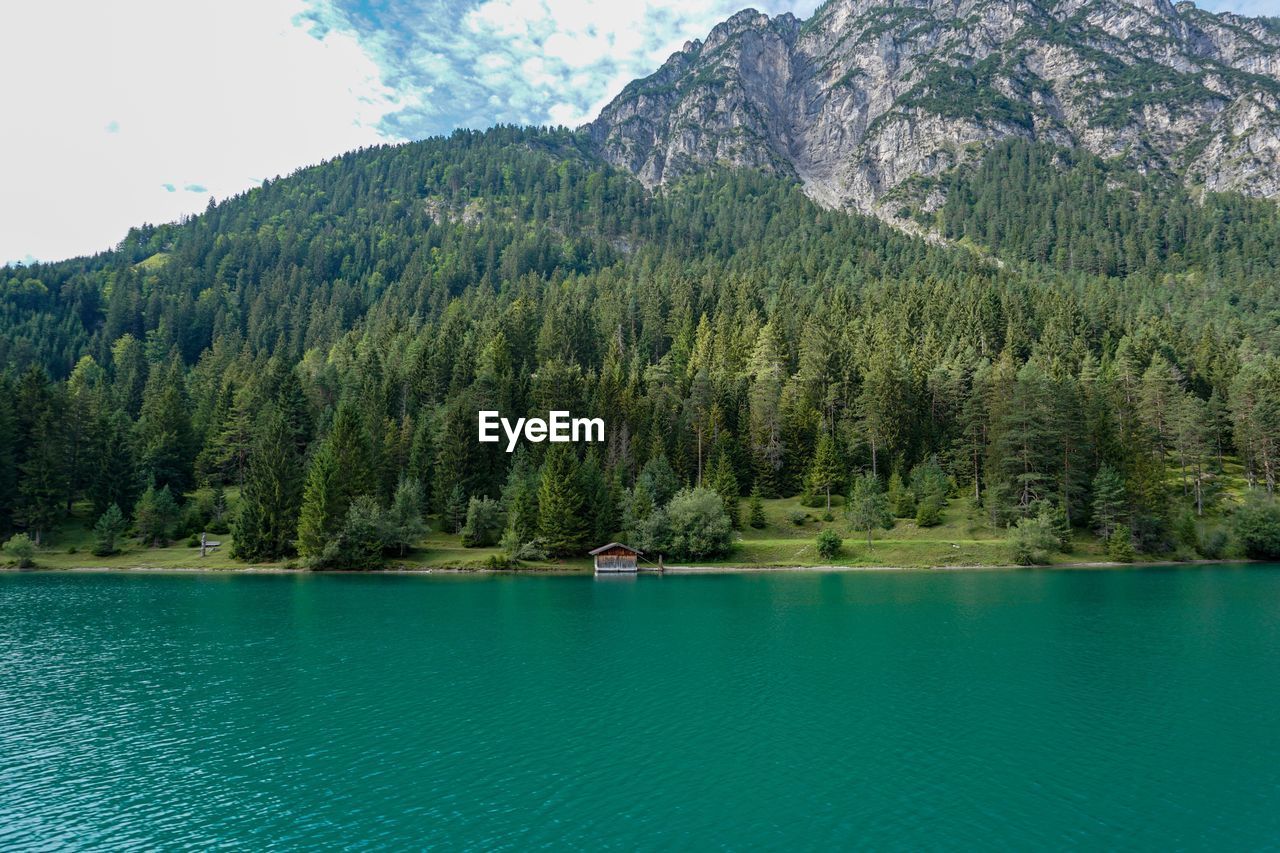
{"x":404,"y":524}
{"x":514,"y":549}
{"x":798,"y":517}
{"x":108,"y":531}
{"x":1258,"y":526}
{"x":1032,"y":541}
{"x":829,"y":544}
{"x":901,"y":500}
{"x":484,"y":524}
{"x":360,"y":542}
{"x":1213,"y":545}
{"x":1120,"y":545}
{"x":155,"y":515}
{"x":699,"y":525}
{"x":929,"y":511}
{"x":1056,"y":519}
{"x":755,"y":510}
{"x":21,"y":550}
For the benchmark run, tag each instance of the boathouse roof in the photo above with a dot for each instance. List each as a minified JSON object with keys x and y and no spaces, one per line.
{"x":614,"y":545}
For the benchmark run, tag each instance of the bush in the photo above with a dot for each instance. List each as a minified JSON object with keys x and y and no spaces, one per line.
{"x":699,"y":526}
{"x":1056,"y":519}
{"x":404,"y":524}
{"x":108,"y":531}
{"x":1120,"y":545}
{"x":1258,"y":526}
{"x":829,"y":544}
{"x":155,"y":516}
{"x":484,"y":524}
{"x":902,"y":502}
{"x":798,"y":517}
{"x":21,"y":550}
{"x":360,"y":542}
{"x":514,"y":549}
{"x":1032,"y":541}
{"x":755,"y":510}
{"x":929,"y":511}
{"x":1213,"y":545}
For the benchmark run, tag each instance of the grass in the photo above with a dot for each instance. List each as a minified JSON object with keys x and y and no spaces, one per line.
{"x":964,"y":538}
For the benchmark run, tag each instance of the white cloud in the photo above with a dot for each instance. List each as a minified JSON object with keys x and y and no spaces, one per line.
{"x":121,"y":104}
{"x":1242,"y":7}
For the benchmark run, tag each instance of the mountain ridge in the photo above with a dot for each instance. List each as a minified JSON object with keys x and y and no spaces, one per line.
{"x":868,"y":104}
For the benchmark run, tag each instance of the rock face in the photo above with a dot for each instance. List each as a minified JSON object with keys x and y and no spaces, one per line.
{"x":869,"y":100}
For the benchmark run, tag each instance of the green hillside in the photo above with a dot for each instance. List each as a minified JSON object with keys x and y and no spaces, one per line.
{"x":299,"y":368}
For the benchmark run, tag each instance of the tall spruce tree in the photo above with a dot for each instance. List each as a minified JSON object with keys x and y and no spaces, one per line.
{"x":561,"y":521}
{"x":272,"y":493}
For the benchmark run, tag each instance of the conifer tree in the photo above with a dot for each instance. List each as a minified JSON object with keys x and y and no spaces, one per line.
{"x":560,"y":503}
{"x":824,"y":473}
{"x":155,"y":515}
{"x":725,"y":484}
{"x":1108,"y":501}
{"x":868,"y":506}
{"x":165,"y":439}
{"x":108,"y":531}
{"x":272,"y":493}
{"x":755,"y":510}
{"x":325,"y":501}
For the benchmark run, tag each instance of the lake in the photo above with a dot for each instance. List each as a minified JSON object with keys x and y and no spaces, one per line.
{"x":1029,"y":709}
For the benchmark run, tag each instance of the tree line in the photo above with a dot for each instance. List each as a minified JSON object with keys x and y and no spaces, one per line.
{"x":323,"y":343}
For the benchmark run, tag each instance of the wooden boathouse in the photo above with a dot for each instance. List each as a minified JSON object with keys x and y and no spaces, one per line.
{"x":616,"y":557}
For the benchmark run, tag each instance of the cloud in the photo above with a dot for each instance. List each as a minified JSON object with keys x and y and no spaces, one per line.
{"x":1242,"y":7}
{"x":206,"y":96}
{"x":475,"y":63}
{"x":209,"y":99}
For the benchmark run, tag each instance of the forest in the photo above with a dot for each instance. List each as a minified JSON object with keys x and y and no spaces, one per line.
{"x":1092,"y":354}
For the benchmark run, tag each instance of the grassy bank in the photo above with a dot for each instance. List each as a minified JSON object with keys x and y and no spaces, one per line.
{"x":964,"y":538}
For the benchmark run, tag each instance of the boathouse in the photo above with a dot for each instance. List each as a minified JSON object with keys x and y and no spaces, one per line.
{"x":616,"y":557}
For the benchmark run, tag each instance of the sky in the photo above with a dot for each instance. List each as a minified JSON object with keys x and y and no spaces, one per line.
{"x":140,"y":111}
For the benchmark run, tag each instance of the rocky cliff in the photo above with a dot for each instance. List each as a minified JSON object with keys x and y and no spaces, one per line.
{"x":869,"y":100}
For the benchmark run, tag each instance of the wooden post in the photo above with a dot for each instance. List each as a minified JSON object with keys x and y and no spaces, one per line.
{"x":203,"y":540}
{"x":661,"y":567}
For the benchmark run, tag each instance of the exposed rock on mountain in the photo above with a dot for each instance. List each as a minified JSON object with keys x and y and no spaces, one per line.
{"x":867,"y":102}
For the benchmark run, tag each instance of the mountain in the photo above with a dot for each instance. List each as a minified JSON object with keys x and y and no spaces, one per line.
{"x":869,"y":102}
{"x":1092,"y":344}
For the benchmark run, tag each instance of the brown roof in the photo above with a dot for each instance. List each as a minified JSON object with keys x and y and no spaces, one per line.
{"x":613,"y":545}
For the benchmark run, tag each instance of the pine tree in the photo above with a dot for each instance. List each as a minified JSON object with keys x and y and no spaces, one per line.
{"x":560,"y":503}
{"x":1109,"y":501}
{"x":272,"y":493}
{"x":868,"y":506}
{"x":455,"y":509}
{"x":755,"y":510}
{"x":44,"y":481}
{"x":325,"y":501}
{"x":725,"y":484}
{"x":155,"y":515}
{"x":824,"y":473}
{"x":165,"y":439}
{"x":114,"y":475}
{"x":405,"y":524}
{"x":8,"y":456}
{"x":108,"y":532}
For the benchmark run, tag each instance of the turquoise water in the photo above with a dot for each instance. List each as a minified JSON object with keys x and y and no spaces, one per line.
{"x":1136,"y":709}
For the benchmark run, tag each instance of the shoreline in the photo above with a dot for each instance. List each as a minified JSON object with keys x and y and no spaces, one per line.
{"x":670,"y":570}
